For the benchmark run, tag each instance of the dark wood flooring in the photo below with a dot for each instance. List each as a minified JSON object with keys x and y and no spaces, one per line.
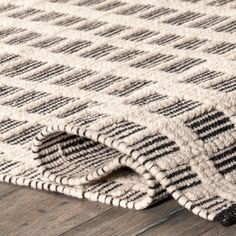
{"x":25,"y":211}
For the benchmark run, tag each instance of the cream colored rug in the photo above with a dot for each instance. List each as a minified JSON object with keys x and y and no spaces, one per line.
{"x":120,"y":101}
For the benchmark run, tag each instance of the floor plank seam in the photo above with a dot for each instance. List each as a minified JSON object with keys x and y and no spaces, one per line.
{"x":61,"y":234}
{"x":168,"y":217}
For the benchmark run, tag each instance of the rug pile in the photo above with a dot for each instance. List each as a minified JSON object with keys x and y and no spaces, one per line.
{"x":120,"y":101}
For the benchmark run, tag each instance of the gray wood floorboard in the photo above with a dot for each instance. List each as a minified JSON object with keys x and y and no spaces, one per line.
{"x":27,"y":211}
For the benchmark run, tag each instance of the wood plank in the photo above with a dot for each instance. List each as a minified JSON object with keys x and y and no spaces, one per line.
{"x":119,"y":221}
{"x":220,"y":230}
{"x":6,"y":189}
{"x":27,"y":211}
{"x":183,"y":223}
{"x":32,"y":212}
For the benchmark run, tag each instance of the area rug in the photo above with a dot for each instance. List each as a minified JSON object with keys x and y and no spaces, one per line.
{"x":120,"y":101}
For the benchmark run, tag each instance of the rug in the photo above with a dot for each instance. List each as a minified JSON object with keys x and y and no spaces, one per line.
{"x":120,"y":101}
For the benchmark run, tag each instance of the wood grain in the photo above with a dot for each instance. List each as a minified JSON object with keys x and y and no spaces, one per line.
{"x":30,"y":212}
{"x":118,"y":221}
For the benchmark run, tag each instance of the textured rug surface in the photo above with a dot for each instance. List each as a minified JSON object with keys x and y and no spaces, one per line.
{"x":120,"y":101}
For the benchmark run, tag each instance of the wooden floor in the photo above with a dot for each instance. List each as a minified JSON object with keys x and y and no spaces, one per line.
{"x":25,"y":211}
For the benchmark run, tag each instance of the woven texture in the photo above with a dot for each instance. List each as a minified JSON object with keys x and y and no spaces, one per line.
{"x":120,"y":101}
